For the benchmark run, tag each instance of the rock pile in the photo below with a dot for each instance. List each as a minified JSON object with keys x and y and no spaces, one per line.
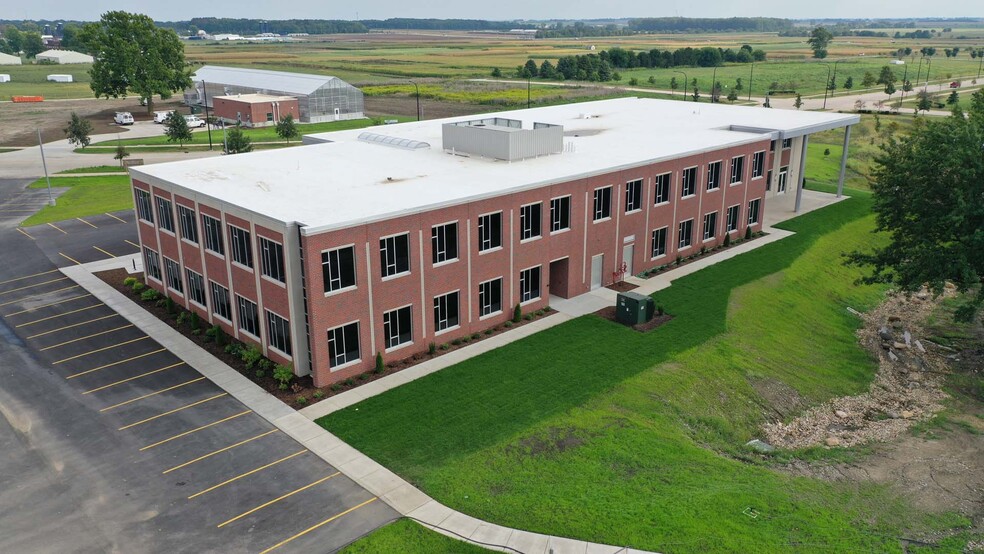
{"x":906,"y":389}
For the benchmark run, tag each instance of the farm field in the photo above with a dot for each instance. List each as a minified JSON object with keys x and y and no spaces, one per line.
{"x":636,"y":440}
{"x":31,"y":80}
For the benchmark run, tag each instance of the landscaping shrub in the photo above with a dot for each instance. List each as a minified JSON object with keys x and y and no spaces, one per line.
{"x":220,"y":336}
{"x":318,"y":394}
{"x":456,"y":342}
{"x":182,"y":318}
{"x":659,"y":309}
{"x":489,"y":331}
{"x":528,"y":317}
{"x":431,"y":348}
{"x":379,"y":363}
{"x":517,"y":314}
{"x":466,"y":339}
{"x":507,"y":324}
{"x":445,"y":346}
{"x":336,"y":387}
{"x":476,"y":336}
{"x":283,"y":374}
{"x":727,"y":239}
{"x":265,"y":364}
{"x":748,"y":233}
{"x":149,"y":295}
{"x":129,"y":281}
{"x":170,"y":305}
{"x":235,"y":349}
{"x":251,"y":356}
{"x":703,"y":250}
{"x":363,"y":376}
{"x":138,"y":286}
{"x":679,"y":260}
{"x":196,"y":321}
{"x":301,"y":400}
{"x":260,"y":374}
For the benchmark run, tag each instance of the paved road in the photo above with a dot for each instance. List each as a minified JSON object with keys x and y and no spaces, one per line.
{"x":112,"y":444}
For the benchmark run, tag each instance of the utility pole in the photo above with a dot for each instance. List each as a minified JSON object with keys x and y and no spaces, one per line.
{"x":51,"y":198}
{"x":750,"y":73}
{"x":208,"y":126}
{"x":417,"y":94}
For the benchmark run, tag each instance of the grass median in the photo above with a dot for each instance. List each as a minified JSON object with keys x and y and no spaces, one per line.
{"x":87,"y":195}
{"x":593,"y":431}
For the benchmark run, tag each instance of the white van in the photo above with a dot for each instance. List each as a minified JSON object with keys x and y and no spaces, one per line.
{"x":194,"y":121}
{"x":159,"y":117}
{"x":123,"y":118}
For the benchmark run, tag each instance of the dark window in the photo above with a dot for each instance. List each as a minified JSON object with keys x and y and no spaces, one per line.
{"x":659,"y":242}
{"x":196,"y":287}
{"x":189,"y":225}
{"x":338,"y":268}
{"x":768,"y":181}
{"x":343,"y":344}
{"x":248,"y":317}
{"x":732,"y":223}
{"x":688,"y":186}
{"x":560,"y":214}
{"x":152,"y":263}
{"x":737,"y":169}
{"x":144,"y":209}
{"x":710,"y":225}
{"x":772,"y":146}
{"x":164,"y":214}
{"x":397,"y":327}
{"x":394,"y":255}
{"x":278,"y":332}
{"x":269,"y":116}
{"x":444,"y":242}
{"x":529,"y":221}
{"x":753,"y":211}
{"x":445,"y":311}
{"x":489,"y":231}
{"x":602,"y":203}
{"x":172,"y":274}
{"x":220,"y":301}
{"x":713,"y":175}
{"x":242,"y":251}
{"x":684,"y":236}
{"x":212,"y":230}
{"x":529,"y":284}
{"x":633,"y":195}
{"x":272,"y":259}
{"x":787,"y":143}
{"x":490,"y":297}
{"x":758,"y":164}
{"x":662,"y":193}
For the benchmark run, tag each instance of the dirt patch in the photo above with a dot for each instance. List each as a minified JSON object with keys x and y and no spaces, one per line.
{"x":779,"y":396}
{"x":554,"y":440}
{"x":301,"y":387}
{"x":609,"y":314}
{"x":21,"y":121}
{"x":622,"y":286}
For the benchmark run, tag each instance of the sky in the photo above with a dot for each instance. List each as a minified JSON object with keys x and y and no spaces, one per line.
{"x":174,"y":10}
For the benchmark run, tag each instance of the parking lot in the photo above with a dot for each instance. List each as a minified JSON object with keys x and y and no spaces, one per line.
{"x":127,"y":448}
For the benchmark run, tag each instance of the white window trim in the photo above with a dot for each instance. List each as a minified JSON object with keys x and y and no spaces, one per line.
{"x":741,"y":177}
{"x":696,"y":178}
{"x":737,"y":222}
{"x":691,"y":245}
{"x":343,"y":289}
{"x":259,"y":251}
{"x":383,"y":319}
{"x":560,"y":232}
{"x":609,"y":217}
{"x":349,"y":363}
{"x":720,"y":171}
{"x":270,"y":344}
{"x":762,"y":176}
{"x":669,"y":186}
{"x":188,"y":242}
{"x":449,"y":329}
{"x":666,"y":235}
{"x":409,"y":255}
{"x":642,"y":184}
{"x":258,"y":321}
{"x":490,"y":250}
{"x":534,"y":237}
{"x":449,"y":260}
{"x":453,"y":327}
{"x":712,"y":237}
{"x":241,"y":266}
{"x":478,"y":225}
{"x":278,"y":351}
{"x":269,"y":279}
{"x":249,"y":245}
{"x":569,"y":205}
{"x":158,"y":214}
{"x":519,"y":280}
{"x":489,"y":315}
{"x":500,"y":310}
{"x":393,"y":276}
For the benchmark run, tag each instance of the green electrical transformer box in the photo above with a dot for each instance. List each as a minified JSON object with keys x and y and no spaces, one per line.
{"x":632,"y":308}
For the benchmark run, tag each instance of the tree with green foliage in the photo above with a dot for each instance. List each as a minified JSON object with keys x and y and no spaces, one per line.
{"x":78,"y":131}
{"x":70,"y":35}
{"x":820,"y":39}
{"x":953,"y":98}
{"x":798,"y":103}
{"x":496,"y":72}
{"x":530,"y":69}
{"x":935,"y":232}
{"x":238,"y":142}
{"x":176,"y":129}
{"x":738,"y":84}
{"x":923,"y":101}
{"x":14,"y":38}
{"x":5,"y":47}
{"x":674,"y":84}
{"x":868,"y":80}
{"x":651,"y":80}
{"x":849,"y":83}
{"x":33,"y":44}
{"x":732,"y":95}
{"x":121,"y":153}
{"x":287,"y":128}
{"x":133,"y":55}
{"x":547,"y":70}
{"x":890,"y":88}
{"x":886,"y":76}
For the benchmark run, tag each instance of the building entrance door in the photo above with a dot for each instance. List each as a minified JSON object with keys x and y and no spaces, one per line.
{"x":558,"y":278}
{"x":628,"y":253}
{"x":597,"y":266}
{"x":337,"y":114}
{"x":783,"y":174}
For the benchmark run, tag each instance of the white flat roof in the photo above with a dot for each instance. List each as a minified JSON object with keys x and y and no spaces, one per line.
{"x":349,"y":182}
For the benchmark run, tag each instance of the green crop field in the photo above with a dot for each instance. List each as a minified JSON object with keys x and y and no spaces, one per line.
{"x":594,"y":431}
{"x":31,"y":80}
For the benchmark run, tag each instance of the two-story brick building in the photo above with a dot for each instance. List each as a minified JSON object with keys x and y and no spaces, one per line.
{"x":391,"y":238}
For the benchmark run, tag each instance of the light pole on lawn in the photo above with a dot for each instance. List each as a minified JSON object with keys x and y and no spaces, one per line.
{"x":751,"y":72}
{"x":208,"y":125}
{"x":833,"y":82}
{"x":826,"y":85}
{"x":684,"y":84}
{"x":714,"y":84}
{"x":417,"y":94}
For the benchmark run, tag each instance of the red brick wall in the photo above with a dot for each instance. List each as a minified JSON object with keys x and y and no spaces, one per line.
{"x":254,"y":114}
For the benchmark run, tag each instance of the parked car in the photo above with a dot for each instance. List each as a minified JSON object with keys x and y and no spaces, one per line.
{"x":955,"y":84}
{"x":194,"y":121}
{"x":159,"y":117}
{"x":123,"y":118}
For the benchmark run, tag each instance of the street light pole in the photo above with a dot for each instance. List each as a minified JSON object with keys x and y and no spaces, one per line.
{"x":417,"y":94}
{"x":905,"y":74}
{"x":527,"y":92}
{"x":834,"y":80}
{"x":714,"y":84}
{"x":684,"y":84}
{"x":826,"y":85}
{"x":208,"y":126}
{"x":51,"y":198}
{"x":751,"y":72}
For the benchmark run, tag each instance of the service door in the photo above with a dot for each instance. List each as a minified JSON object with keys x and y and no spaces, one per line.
{"x":783,"y":175}
{"x":597,"y":266}
{"x":628,"y":253}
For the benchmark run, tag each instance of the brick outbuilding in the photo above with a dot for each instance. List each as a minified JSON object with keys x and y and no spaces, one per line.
{"x":254,"y":110}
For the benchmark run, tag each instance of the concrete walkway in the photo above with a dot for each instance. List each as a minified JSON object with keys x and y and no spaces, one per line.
{"x":389,"y":487}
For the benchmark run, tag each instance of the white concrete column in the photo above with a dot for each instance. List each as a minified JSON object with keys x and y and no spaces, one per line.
{"x":840,"y":178}
{"x":799,"y":176}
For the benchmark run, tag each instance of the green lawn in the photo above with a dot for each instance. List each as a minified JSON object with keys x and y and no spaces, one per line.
{"x":634,"y":439}
{"x":86,"y":196}
{"x":866,"y":140}
{"x":94,"y":169}
{"x":31,"y":80}
{"x":406,"y":536}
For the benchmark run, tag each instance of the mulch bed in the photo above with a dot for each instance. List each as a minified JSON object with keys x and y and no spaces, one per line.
{"x":622,"y":286}
{"x":684,"y":261}
{"x":302,"y":387}
{"x":609,"y":314}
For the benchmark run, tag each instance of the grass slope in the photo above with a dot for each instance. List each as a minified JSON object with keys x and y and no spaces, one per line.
{"x":87,"y":195}
{"x":406,"y":536}
{"x":619,"y":439}
{"x":94,"y":169}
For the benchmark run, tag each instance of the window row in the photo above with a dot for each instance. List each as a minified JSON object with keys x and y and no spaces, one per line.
{"x":685,"y":229}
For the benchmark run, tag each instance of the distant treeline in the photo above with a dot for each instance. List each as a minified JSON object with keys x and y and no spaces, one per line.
{"x":214,"y":25}
{"x":709,"y":25}
{"x":444,"y":24}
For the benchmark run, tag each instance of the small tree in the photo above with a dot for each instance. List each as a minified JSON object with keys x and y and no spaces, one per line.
{"x":924,"y":102}
{"x":695,"y":94}
{"x":738,"y":85}
{"x":890,"y":89}
{"x":651,"y":80}
{"x":176,"y":129}
{"x":849,"y":83}
{"x":868,"y":80}
{"x":798,"y":103}
{"x":380,"y":366}
{"x":732,"y":95}
{"x":531,"y":69}
{"x":674,"y":84}
{"x":287,"y":129}
{"x":953,"y":98}
{"x":517,"y":314}
{"x":238,"y":142}
{"x":633,"y":82}
{"x":78,"y":131}
{"x":819,"y":39}
{"x":121,"y":153}
{"x":283,"y":374}
{"x":496,"y":72}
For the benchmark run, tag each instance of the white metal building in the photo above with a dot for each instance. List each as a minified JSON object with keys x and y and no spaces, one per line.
{"x":7,"y":59}
{"x":63,"y":57}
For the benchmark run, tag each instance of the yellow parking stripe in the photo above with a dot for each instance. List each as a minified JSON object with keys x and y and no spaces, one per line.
{"x":174,"y":411}
{"x":116,"y":218}
{"x":219,"y":451}
{"x":103,"y":349}
{"x":319,"y":525}
{"x":148,"y":395}
{"x":85,"y":337}
{"x":23,"y":232}
{"x":60,"y":315}
{"x":34,"y":285}
{"x":52,"y":225}
{"x":88,"y":371}
{"x":38,"y":295}
{"x":275,"y":500}
{"x":128,"y":379}
{"x":195,"y":430}
{"x":104,"y":252}
{"x":72,"y":325}
{"x":28,"y":276}
{"x":49,"y":305}
{"x":86,"y":222}
{"x":69,"y":258}
{"x":247,"y":474}
{"x":130,"y":242}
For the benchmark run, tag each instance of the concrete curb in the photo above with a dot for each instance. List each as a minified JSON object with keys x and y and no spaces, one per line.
{"x":389,"y":487}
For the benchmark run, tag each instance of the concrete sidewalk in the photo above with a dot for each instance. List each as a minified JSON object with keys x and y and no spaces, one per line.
{"x":389,"y":487}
